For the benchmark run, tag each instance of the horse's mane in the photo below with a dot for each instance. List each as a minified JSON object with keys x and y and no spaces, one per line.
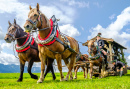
{"x":47,"y":20}
{"x":90,"y":42}
{"x":16,"y":26}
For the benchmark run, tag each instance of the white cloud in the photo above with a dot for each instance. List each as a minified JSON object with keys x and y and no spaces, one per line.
{"x":69,"y":30}
{"x":114,"y":30}
{"x":6,"y":59}
{"x":7,"y":45}
{"x":0,"y":49}
{"x":62,"y":12}
{"x":128,"y":60}
{"x":82,"y":28}
{"x":129,"y":57}
{"x":1,"y":34}
{"x":97,"y":4}
{"x":80,"y":4}
{"x":112,"y":17}
{"x":65,"y":15}
{"x":13,"y":6}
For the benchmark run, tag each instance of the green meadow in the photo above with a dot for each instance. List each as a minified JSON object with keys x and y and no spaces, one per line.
{"x":8,"y":81}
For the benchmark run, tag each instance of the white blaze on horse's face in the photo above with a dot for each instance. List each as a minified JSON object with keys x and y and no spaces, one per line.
{"x":9,"y":36}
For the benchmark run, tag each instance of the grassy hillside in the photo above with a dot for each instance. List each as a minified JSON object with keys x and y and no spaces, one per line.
{"x":8,"y":81}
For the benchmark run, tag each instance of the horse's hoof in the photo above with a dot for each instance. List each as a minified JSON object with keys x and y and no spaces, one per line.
{"x":86,"y":77}
{"x":39,"y":81}
{"x":19,"y":80}
{"x":66,"y":79}
{"x":62,"y":80}
{"x":54,"y":78}
{"x":71,"y":78}
{"x":34,"y":76}
{"x":75,"y":77}
{"x":90,"y":78}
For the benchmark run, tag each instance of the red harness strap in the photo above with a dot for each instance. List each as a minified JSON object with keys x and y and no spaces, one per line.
{"x":51,"y":42}
{"x":27,"y":46}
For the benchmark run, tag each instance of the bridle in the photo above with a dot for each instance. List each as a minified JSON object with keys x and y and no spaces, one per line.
{"x":92,"y":49}
{"x":34,"y":23}
{"x":14,"y":33}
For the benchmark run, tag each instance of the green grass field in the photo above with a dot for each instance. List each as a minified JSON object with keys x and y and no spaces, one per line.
{"x":8,"y":81}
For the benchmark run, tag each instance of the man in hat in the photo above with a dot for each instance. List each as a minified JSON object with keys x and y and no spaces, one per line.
{"x":120,"y":66}
{"x":100,"y":44}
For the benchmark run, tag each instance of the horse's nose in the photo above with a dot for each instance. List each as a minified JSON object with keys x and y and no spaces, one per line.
{"x":27,"y":26}
{"x":6,"y":39}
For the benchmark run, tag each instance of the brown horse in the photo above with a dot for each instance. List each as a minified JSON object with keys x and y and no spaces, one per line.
{"x":81,"y":58}
{"x":95,"y":57}
{"x":56,"y":50}
{"x":26,"y":51}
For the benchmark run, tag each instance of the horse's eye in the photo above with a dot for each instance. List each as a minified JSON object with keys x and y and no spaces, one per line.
{"x":35,"y":14}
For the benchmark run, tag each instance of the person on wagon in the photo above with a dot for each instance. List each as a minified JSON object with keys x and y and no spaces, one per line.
{"x":100,"y":44}
{"x":119,"y":64}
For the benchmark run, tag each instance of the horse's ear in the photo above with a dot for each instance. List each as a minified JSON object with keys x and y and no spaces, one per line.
{"x":30,"y":7}
{"x":37,"y":7}
{"x":87,"y":43}
{"x":9,"y":23}
{"x":14,"y":21}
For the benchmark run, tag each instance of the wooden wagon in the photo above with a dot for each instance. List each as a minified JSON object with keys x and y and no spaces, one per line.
{"x":114,"y":50}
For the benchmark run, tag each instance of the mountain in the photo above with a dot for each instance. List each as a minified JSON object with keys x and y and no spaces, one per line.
{"x":16,"y":69}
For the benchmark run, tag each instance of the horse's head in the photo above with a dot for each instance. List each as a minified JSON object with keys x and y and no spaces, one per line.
{"x":92,"y":47}
{"x":13,"y":32}
{"x":35,"y":20}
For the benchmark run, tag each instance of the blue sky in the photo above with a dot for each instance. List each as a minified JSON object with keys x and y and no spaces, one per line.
{"x":81,"y":19}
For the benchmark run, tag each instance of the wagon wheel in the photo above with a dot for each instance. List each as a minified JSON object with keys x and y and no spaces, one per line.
{"x":103,"y":69}
{"x":104,"y":73}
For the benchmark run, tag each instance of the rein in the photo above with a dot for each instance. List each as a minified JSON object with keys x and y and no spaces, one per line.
{"x":40,"y":29}
{"x":23,"y":37}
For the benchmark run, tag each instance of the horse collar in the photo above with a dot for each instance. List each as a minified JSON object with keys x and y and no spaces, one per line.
{"x":50,"y":38}
{"x":26,"y":45}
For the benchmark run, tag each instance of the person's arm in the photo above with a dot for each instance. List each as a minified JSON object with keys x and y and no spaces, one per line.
{"x":102,"y":43}
{"x":114,"y":68}
{"x":122,"y":63}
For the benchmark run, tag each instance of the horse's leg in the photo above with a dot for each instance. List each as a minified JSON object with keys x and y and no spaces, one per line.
{"x":83,"y":70}
{"x":66,"y":61}
{"x":21,"y":72}
{"x":52,"y":71}
{"x":42,"y":58}
{"x":50,"y":68}
{"x":86,"y":70}
{"x":71,"y":65}
{"x":71,"y":76}
{"x":58,"y":58}
{"x":100,"y":67}
{"x":30,"y":63}
{"x":47,"y":69}
{"x":76,"y":69}
{"x":91,"y":70}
